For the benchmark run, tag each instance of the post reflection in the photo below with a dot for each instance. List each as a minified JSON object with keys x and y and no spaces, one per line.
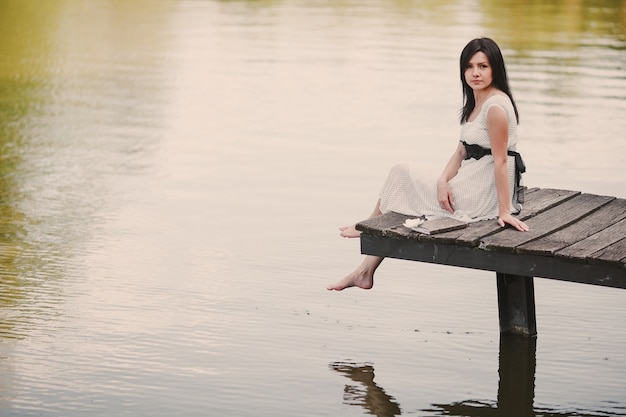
{"x":366,"y":393}
{"x":516,"y":389}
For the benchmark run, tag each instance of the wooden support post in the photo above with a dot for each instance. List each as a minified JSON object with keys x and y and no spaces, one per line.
{"x":516,"y":304}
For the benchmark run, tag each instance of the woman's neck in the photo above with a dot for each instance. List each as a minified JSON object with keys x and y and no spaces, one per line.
{"x":482,"y":95}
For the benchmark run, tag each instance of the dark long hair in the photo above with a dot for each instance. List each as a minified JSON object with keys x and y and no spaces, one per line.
{"x":500,"y":80}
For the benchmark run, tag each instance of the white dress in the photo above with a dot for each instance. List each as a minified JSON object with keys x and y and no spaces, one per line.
{"x":414,"y":193}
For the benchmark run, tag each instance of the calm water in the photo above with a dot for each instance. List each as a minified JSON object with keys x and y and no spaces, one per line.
{"x":173,"y":173}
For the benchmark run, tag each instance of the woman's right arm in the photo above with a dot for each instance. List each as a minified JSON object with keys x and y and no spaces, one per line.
{"x":444,"y":194}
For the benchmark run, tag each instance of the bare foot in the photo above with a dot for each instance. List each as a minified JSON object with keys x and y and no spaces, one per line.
{"x":361,"y":279}
{"x":349,"y":231}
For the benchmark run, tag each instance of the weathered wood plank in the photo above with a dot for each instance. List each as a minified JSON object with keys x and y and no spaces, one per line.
{"x":391,"y":225}
{"x":544,"y":199}
{"x":537,"y":202}
{"x":613,"y":253}
{"x":546,"y":222}
{"x":381,"y":225}
{"x":586,"y":248}
{"x":595,"y":222}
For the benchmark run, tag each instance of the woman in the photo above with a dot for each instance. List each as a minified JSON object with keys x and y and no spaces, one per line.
{"x":481,"y":179}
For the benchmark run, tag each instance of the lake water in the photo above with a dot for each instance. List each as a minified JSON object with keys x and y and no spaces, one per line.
{"x":173,"y":173}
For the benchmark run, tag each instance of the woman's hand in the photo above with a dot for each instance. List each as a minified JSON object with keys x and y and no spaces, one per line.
{"x":444,"y":196}
{"x":513,"y":221}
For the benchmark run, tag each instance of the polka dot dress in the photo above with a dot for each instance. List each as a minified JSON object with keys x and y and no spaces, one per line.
{"x":409,"y":191}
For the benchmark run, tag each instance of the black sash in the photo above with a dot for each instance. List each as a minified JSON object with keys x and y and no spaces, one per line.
{"x":477,"y":152}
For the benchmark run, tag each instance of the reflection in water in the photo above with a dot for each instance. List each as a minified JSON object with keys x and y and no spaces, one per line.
{"x":367,"y":394}
{"x":22,"y":84}
{"x":78,"y":117}
{"x":533,"y":27}
{"x":516,"y":390}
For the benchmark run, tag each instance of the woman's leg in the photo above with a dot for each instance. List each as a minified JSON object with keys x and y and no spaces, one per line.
{"x":350,"y":231}
{"x":362,"y":276}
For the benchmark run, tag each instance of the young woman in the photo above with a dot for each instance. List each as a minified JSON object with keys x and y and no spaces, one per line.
{"x":481,"y":179}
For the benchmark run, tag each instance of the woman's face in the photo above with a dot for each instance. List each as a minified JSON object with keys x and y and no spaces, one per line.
{"x":478,"y":74}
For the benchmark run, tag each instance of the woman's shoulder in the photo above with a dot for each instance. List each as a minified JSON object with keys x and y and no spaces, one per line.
{"x":501,"y":100}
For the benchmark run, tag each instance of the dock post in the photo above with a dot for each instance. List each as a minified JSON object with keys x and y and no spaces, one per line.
{"x":516,"y":304}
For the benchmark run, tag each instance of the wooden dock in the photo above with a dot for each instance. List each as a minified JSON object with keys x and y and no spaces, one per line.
{"x":573,"y":237}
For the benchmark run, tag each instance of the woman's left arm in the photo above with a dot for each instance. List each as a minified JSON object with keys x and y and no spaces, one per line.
{"x":498,"y":128}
